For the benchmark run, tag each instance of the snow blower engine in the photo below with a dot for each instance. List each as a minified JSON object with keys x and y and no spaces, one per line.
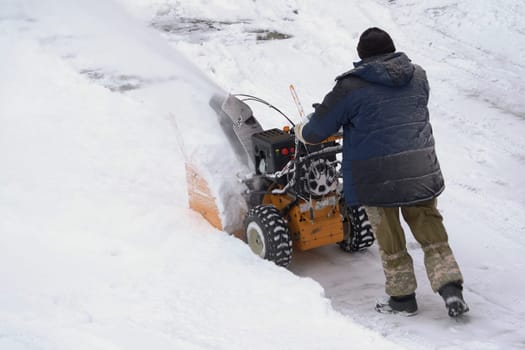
{"x":295,"y":193}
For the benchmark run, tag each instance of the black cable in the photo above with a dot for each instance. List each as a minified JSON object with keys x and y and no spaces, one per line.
{"x":260,"y":100}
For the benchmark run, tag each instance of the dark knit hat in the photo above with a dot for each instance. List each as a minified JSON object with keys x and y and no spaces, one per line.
{"x":374,"y":41}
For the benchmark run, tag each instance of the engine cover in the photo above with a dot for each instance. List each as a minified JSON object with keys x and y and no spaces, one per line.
{"x":273,"y":149}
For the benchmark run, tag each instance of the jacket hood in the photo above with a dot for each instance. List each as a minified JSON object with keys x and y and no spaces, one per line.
{"x":392,"y":69}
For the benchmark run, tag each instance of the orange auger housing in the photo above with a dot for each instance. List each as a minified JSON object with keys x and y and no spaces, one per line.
{"x":200,"y":197}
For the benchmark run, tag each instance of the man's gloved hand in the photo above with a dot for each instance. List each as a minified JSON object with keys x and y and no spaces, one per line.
{"x":298,"y":131}
{"x":309,"y":116}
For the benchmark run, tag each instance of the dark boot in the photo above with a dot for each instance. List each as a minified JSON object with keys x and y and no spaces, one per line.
{"x":405,"y":305}
{"x":453,"y":297}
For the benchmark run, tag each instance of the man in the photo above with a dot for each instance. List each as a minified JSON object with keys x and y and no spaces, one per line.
{"x":390,"y":166}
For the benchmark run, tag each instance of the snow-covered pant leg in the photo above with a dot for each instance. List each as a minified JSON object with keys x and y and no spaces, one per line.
{"x":397,"y":263}
{"x":426,"y":223}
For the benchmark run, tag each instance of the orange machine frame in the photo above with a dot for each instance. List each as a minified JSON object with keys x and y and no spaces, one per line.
{"x":311,"y":224}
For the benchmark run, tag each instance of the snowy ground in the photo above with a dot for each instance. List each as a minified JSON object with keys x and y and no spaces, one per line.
{"x":97,"y":247}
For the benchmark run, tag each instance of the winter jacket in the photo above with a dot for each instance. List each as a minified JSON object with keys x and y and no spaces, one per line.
{"x":388,"y":147}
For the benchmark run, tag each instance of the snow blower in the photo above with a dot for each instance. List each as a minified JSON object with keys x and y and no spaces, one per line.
{"x":294,"y":194}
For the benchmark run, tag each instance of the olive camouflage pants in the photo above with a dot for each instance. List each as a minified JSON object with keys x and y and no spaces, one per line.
{"x":426,"y":224}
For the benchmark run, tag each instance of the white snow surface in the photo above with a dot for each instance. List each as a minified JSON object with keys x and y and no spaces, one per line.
{"x":100,"y":109}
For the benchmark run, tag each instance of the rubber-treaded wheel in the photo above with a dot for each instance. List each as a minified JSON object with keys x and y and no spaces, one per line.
{"x":358,"y":230}
{"x":267,"y":234}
